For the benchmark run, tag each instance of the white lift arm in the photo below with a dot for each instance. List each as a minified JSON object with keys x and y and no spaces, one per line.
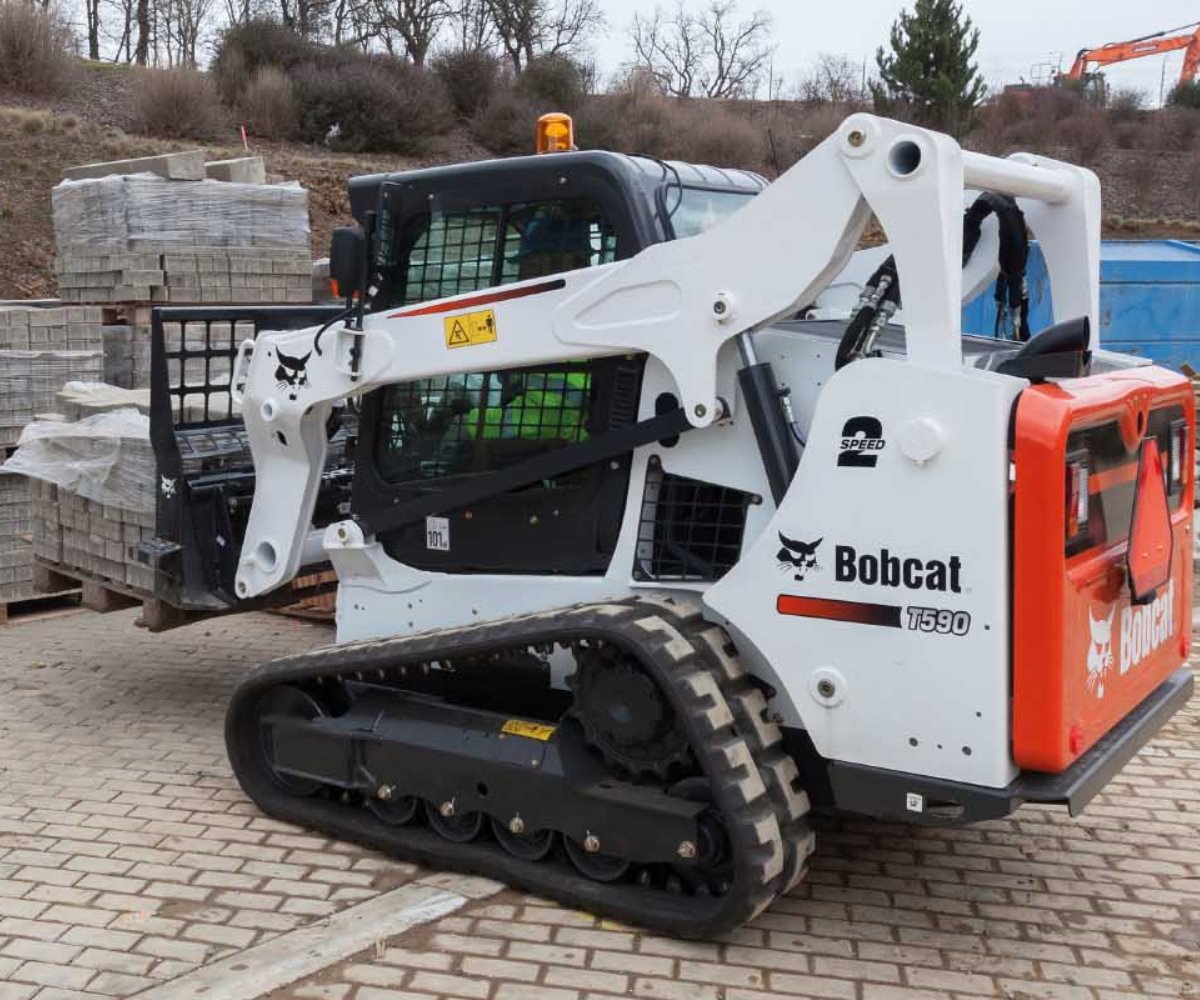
{"x":679,"y":301}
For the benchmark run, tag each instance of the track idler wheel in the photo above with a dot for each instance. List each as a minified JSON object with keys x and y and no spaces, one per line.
{"x":596,"y":866}
{"x":287,"y":701}
{"x":709,"y":869}
{"x":532,"y":846}
{"x":459,"y":828}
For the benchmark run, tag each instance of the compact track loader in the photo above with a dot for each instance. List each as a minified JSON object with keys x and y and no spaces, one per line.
{"x":644,"y":550}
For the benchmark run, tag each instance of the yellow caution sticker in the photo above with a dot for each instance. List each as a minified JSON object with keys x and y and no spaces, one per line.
{"x":530,"y":730}
{"x":470,"y":329}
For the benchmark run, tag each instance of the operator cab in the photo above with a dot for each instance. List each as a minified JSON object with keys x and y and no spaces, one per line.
{"x":447,"y":231}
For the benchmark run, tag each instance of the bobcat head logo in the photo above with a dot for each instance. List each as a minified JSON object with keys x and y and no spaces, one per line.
{"x":800,"y":557}
{"x":291,"y":373}
{"x":1100,"y":655}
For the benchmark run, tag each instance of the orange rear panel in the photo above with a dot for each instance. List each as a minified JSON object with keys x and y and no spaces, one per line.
{"x":1083,"y":657}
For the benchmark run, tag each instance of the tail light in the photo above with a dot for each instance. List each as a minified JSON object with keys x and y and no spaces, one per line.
{"x":1078,"y":475}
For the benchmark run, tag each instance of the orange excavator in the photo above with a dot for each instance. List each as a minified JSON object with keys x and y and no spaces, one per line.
{"x":1149,"y":45}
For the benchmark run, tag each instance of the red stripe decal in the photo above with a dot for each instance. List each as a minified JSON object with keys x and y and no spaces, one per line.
{"x":839,"y":611}
{"x":454,"y":305}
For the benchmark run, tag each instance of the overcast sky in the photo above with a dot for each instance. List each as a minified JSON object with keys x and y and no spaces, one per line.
{"x":1014,"y":34}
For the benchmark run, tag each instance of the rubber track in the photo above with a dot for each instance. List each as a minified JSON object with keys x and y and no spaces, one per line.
{"x":754,"y":783}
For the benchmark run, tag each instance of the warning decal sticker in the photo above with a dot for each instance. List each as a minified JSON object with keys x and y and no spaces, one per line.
{"x":530,"y":730}
{"x":469,"y":329}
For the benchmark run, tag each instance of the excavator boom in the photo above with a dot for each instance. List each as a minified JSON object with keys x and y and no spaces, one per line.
{"x":1137,"y":48}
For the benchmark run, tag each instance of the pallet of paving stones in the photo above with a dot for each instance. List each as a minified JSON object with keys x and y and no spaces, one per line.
{"x":198,"y":275}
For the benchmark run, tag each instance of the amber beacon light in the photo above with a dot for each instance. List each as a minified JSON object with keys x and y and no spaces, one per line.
{"x":555,"y":133}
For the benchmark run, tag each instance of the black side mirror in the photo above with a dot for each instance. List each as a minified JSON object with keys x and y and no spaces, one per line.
{"x":348,"y":262}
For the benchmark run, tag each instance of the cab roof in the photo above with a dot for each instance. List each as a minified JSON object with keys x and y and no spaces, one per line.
{"x":640,"y":172}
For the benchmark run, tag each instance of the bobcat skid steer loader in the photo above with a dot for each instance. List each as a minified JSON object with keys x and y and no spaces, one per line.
{"x":639,"y":562}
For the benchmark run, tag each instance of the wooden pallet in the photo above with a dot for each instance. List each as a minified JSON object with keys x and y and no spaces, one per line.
{"x":128,"y":313}
{"x":96,"y":593}
{"x":311,"y":596}
{"x":24,"y":607}
{"x":321,"y":606}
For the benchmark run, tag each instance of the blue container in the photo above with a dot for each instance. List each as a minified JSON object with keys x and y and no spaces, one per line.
{"x":1149,"y":300}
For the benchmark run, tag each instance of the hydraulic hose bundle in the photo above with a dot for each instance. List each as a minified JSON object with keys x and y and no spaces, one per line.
{"x":880,"y":298}
{"x":1012,"y":292}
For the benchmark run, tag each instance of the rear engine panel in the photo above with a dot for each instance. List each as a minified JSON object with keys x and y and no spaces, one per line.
{"x":1084,"y":653}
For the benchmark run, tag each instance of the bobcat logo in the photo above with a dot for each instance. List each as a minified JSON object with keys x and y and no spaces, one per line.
{"x":1100,"y":653}
{"x":167,"y":486}
{"x":798,"y":556}
{"x":291,"y":373}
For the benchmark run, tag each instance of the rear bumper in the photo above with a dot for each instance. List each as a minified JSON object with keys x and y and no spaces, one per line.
{"x":873,"y":791}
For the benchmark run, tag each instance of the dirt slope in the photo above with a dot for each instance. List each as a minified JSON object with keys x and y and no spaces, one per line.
{"x":36,"y":144}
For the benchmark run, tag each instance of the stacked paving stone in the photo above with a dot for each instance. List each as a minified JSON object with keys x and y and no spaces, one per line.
{"x":30,"y":380}
{"x":233,"y":274}
{"x":174,"y":229}
{"x":97,"y":539}
{"x":35,"y":328}
{"x":41,"y":349}
{"x":16,"y":538}
{"x":92,"y":485}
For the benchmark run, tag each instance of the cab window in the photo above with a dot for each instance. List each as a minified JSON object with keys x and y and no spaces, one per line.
{"x":478,"y":422}
{"x":699,"y":209}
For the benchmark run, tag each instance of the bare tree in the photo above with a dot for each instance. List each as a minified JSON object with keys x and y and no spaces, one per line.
{"x":710,"y":53}
{"x":531,"y":28}
{"x":471,"y":21}
{"x":181,"y":25}
{"x":305,"y":17}
{"x":833,"y":79}
{"x":669,"y":47}
{"x":141,"y":53}
{"x":120,"y":38}
{"x":410,"y":26}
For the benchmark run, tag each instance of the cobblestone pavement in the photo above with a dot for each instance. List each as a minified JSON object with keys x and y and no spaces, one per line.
{"x":128,"y":856}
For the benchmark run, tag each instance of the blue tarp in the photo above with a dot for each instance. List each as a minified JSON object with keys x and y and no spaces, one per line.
{"x":1149,"y":300}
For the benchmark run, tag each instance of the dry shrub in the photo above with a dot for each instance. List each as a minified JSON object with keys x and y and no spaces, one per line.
{"x":268,"y":105}
{"x":1186,"y":94}
{"x":553,"y":82}
{"x":1128,"y":136}
{"x":1143,"y":172}
{"x":369,"y":104}
{"x":176,"y":104}
{"x":470,"y":76}
{"x":506,"y":124}
{"x":634,"y":118}
{"x":35,"y":49}
{"x":1086,"y":135}
{"x":244,"y":49}
{"x":1126,"y":105}
{"x":720,"y":136}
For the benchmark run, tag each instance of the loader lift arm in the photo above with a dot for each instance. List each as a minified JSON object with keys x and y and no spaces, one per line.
{"x":679,"y":302}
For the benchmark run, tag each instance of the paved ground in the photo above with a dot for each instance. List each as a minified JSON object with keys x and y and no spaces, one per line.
{"x":129,"y":861}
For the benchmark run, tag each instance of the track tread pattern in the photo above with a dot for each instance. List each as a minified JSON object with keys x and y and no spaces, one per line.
{"x":754,"y":783}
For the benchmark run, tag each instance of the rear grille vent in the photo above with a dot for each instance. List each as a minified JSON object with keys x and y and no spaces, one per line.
{"x":690,"y":531}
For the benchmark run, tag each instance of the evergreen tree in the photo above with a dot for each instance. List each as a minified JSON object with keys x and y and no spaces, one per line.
{"x":929,"y":75}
